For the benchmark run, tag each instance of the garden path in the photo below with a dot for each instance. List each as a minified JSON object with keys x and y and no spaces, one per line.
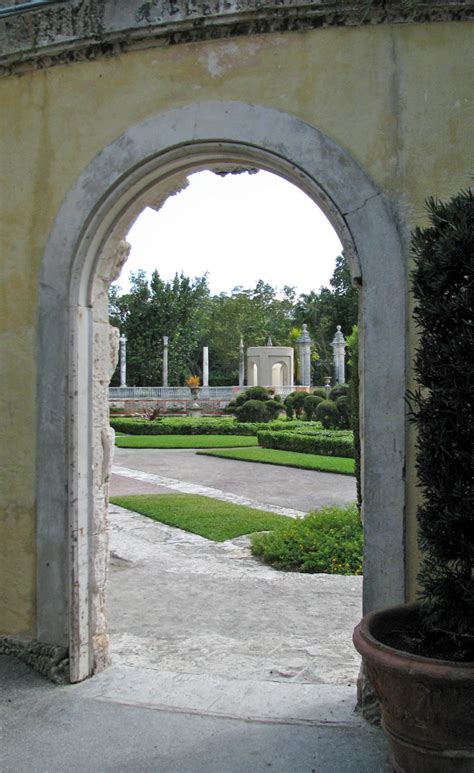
{"x":220,"y":664}
{"x":186,"y":608}
{"x":265,"y":484}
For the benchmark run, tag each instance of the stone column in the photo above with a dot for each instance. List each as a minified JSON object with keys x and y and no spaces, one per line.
{"x":165,"y":361}
{"x":339,"y":346}
{"x":123,"y":361}
{"x":205,"y":366}
{"x":303,"y":342}
{"x":241,"y":363}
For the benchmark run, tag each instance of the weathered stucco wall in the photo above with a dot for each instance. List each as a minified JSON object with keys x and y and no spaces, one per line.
{"x":397,"y":97}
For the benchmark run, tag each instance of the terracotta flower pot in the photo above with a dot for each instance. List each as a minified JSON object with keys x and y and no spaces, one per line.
{"x":427,"y":705}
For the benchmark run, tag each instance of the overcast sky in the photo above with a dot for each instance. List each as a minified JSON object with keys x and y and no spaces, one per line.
{"x":238,"y":228}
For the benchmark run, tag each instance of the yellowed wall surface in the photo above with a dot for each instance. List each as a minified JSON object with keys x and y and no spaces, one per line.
{"x":398,"y":98}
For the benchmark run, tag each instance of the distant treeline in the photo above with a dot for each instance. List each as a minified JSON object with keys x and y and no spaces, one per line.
{"x":184,"y":310}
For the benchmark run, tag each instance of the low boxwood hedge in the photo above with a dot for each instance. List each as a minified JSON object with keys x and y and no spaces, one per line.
{"x":201,"y":426}
{"x":324,"y":442}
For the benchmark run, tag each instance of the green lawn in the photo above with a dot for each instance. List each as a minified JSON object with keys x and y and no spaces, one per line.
{"x":287,"y":459}
{"x":184,"y":441}
{"x":210,"y":518}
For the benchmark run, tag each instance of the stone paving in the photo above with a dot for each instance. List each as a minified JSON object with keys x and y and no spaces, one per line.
{"x":181,"y":603}
{"x":220,"y":663}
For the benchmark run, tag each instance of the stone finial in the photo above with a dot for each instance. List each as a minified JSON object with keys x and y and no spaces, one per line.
{"x":304,"y":337}
{"x":338,"y":336}
{"x":269,"y":342}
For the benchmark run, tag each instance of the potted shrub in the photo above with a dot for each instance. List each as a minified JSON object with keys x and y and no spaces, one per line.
{"x":420,"y":656}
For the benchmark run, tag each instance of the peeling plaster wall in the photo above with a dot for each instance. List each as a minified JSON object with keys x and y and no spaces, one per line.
{"x":397,"y":97}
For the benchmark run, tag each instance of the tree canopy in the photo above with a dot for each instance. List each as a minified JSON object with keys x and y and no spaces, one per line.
{"x":184,"y":310}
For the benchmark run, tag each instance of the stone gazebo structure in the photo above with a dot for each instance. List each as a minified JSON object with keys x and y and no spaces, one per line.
{"x":270,"y":365}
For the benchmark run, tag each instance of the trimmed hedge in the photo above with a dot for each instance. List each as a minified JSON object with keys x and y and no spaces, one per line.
{"x":324,"y":442}
{"x":202,"y":426}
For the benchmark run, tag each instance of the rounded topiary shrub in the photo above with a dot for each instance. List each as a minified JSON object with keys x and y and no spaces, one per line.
{"x":252,"y":393}
{"x":342,"y":405}
{"x":298,"y":402}
{"x":327,"y":414}
{"x":320,"y":392}
{"x":272,"y":409}
{"x":288,"y":403}
{"x":311,"y":402}
{"x":257,"y":393}
{"x":252,"y":410}
{"x":339,"y":390}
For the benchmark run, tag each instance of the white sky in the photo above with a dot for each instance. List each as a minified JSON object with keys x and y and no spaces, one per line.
{"x":238,"y":228}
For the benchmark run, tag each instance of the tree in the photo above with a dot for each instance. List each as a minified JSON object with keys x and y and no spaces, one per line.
{"x":322,"y":311}
{"x":253,"y":314}
{"x":150,"y":311}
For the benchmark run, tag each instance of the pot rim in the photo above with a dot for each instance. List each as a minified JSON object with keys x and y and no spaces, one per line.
{"x":372,"y":649}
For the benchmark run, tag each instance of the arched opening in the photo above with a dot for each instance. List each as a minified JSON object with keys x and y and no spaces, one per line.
{"x":254,"y":374}
{"x":83,"y":253}
{"x":277,"y":374}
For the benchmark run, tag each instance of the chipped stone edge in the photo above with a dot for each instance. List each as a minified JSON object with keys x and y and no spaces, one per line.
{"x":48,"y":659}
{"x":87,"y":30}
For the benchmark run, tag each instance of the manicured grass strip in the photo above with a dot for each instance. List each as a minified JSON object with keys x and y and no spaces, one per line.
{"x":208,"y":517}
{"x":184,"y":441}
{"x":287,"y":459}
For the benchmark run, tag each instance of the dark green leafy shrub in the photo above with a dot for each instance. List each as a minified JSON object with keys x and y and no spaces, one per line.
{"x":320,"y":392}
{"x":342,"y":405}
{"x":339,"y":390}
{"x":442,"y":408}
{"x":288,"y":403}
{"x":252,"y":410}
{"x":327,"y":414}
{"x":272,"y":409}
{"x":329,"y":541}
{"x":298,"y":399}
{"x":310,"y":404}
{"x":252,"y":393}
{"x":323,"y":442}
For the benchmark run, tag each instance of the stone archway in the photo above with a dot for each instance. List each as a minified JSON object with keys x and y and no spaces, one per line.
{"x":147,"y":161}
